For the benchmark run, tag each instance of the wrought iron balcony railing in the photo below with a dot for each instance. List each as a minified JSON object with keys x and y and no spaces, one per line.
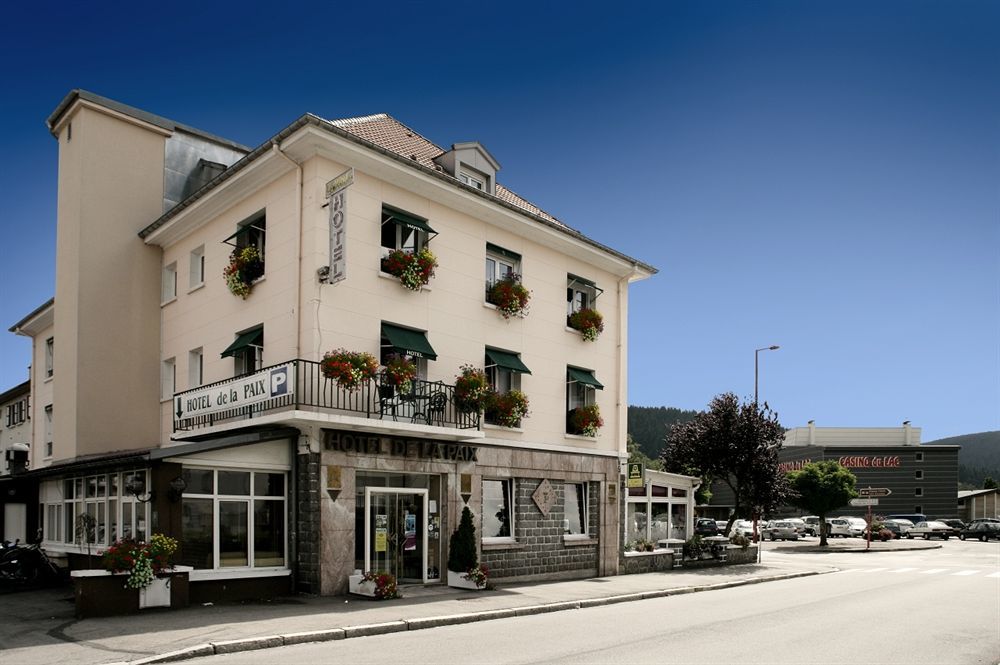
{"x":299,"y":385}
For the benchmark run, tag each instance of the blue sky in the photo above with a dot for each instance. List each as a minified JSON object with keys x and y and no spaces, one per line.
{"x":824,"y":176}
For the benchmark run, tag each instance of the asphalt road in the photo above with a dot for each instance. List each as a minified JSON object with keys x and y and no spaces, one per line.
{"x":938,"y":607}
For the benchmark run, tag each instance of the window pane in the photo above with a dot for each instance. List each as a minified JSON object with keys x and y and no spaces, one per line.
{"x":113,"y":519}
{"x":635,"y":522}
{"x":140,"y":522}
{"x":659,"y":528}
{"x":196,"y":533}
{"x":574,"y":501}
{"x":496,"y":509}
{"x":269,"y":533}
{"x":199,"y":481}
{"x":269,"y":484}
{"x":234,"y":547}
{"x":678,"y":521}
{"x":234,"y":482}
{"x":68,"y":522}
{"x":101,"y":524}
{"x":113,"y":485}
{"x":91,"y":487}
{"x":127,"y":524}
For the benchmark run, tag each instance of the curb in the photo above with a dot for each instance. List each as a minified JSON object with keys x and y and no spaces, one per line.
{"x":347,"y":632}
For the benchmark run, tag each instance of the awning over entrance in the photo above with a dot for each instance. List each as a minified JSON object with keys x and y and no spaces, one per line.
{"x":508,"y":361}
{"x":252,"y":338}
{"x":409,"y":342}
{"x":585,"y":376}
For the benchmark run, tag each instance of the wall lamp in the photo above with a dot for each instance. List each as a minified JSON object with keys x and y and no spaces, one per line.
{"x":136,"y":486}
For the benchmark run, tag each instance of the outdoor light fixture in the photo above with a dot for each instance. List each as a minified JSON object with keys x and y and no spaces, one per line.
{"x":136,"y":486}
{"x":177,"y":487}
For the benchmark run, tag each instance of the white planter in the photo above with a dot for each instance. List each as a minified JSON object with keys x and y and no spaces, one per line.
{"x":359,"y":588}
{"x":458,"y":581}
{"x":157,"y":594}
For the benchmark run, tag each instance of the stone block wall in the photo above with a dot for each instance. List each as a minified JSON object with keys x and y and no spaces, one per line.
{"x":307,"y":524}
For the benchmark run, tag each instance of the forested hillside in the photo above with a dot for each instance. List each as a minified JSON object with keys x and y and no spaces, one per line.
{"x":648,"y":426}
{"x":978,"y":459}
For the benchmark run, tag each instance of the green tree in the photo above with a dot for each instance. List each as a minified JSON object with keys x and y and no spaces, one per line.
{"x":989,"y":483}
{"x":636,"y":456}
{"x":462,"y":555}
{"x":821,"y":487}
{"x":736,"y":444}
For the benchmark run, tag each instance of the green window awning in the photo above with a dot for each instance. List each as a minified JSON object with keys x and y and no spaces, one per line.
{"x":584,"y":376}
{"x":500,"y":251}
{"x":246,"y":228}
{"x":508,"y":361}
{"x":409,"y":342}
{"x":252,"y":338}
{"x":397,"y":217}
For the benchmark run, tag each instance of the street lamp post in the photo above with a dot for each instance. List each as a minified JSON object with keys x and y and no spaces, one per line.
{"x":756,"y":365}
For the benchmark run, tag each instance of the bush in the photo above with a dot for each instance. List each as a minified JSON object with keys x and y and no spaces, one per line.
{"x":462,"y":556}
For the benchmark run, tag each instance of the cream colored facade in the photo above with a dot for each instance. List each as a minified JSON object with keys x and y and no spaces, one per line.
{"x":142,"y":310}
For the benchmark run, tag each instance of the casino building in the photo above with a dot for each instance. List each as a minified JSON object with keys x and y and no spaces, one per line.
{"x":921,"y":479}
{"x":273,"y":354}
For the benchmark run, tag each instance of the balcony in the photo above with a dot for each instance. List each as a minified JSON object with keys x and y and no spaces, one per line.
{"x":297,"y":390}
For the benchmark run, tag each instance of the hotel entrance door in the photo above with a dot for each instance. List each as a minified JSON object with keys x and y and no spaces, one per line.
{"x":396,"y":532}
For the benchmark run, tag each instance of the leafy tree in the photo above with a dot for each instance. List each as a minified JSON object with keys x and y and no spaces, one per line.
{"x":821,"y":487}
{"x":989,"y":483}
{"x":637,"y":456}
{"x":736,"y":444}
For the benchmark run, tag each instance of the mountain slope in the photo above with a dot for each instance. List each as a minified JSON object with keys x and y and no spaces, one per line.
{"x":978,"y":458}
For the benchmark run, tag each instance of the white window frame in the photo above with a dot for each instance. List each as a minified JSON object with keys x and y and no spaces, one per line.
{"x":196,"y":367}
{"x":196,"y":271}
{"x":68,"y":498}
{"x":499,"y":266}
{"x":584,"y":499}
{"x":168,"y":379}
{"x":511,"y":510}
{"x":168,"y":288}
{"x":50,"y":355}
{"x":48,"y":432}
{"x":473,"y":179}
{"x":579,"y":295}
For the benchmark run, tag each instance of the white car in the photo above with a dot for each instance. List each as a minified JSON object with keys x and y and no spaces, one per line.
{"x":800,"y":526}
{"x":838,"y":527}
{"x":858,"y":525}
{"x":742,"y":528}
{"x":930,"y":530}
{"x":781,"y":530}
{"x":904,"y":526}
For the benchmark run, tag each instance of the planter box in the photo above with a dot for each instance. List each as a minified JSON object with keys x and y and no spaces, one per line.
{"x":359,"y":588}
{"x":458,"y":581}
{"x":100,"y":593}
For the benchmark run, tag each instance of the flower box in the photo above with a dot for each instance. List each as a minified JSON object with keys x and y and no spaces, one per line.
{"x":102,"y":593}
{"x":359,"y":587}
{"x":458,"y":581}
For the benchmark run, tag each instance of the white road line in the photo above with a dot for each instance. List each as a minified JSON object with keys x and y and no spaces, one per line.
{"x":903,"y":570}
{"x":934,"y":570}
{"x":967,"y":572}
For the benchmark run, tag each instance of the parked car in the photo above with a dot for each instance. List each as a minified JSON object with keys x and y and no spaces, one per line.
{"x":838,"y":527}
{"x":985,"y":519}
{"x":930,"y":530}
{"x":899,"y":527}
{"x":800,"y":526}
{"x":956,"y":525}
{"x":857,"y":525}
{"x":980,"y":530}
{"x":721,"y":526}
{"x":912,"y":517}
{"x":742,"y":528}
{"x":780,"y":530}
{"x":812,"y":525}
{"x":704,"y":526}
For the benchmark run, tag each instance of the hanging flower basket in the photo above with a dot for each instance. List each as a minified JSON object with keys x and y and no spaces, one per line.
{"x":588,"y":321}
{"x":585,"y":420}
{"x":142,"y":561}
{"x":509,"y":296}
{"x":350,"y":369}
{"x":472,"y":390}
{"x":414,"y":269}
{"x":245,"y":267}
{"x":507,"y":409}
{"x":399,"y":372}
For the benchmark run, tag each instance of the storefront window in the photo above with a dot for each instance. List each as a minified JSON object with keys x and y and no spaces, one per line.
{"x":234,"y":545}
{"x":197,"y":531}
{"x":102,"y":498}
{"x":678,"y":521}
{"x":635,"y":522}
{"x":575,"y":503}
{"x":497,"y":514}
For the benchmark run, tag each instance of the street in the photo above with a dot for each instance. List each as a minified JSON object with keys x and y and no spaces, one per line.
{"x":937,"y":606}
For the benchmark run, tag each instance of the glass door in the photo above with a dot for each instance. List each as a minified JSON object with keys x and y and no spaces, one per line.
{"x":396,"y":532}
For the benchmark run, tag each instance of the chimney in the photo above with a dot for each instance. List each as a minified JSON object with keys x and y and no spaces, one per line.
{"x":906,"y":433}
{"x":812,"y":432}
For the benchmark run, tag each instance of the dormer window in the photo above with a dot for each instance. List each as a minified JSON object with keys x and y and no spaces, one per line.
{"x":471,"y":164}
{"x":472,"y":180}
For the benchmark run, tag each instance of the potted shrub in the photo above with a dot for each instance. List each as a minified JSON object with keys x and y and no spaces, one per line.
{"x":399,"y":372}
{"x":413,"y":269}
{"x":507,"y":409}
{"x":144,"y":563}
{"x":350,"y":369}
{"x":509,"y":295}
{"x":244,"y":268}
{"x":464,"y":571}
{"x":588,"y":321}
{"x":693,"y":548}
{"x":472,"y":390}
{"x":585,"y":420}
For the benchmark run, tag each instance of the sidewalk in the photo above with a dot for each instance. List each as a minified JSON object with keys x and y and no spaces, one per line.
{"x":39,"y":626}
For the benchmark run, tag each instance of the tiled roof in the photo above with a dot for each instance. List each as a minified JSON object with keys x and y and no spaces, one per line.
{"x":386,"y":132}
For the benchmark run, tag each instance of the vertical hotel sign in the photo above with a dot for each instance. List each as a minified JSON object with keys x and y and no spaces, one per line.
{"x":336,"y":194}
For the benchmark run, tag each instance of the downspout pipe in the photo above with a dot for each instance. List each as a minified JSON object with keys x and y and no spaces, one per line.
{"x":276,"y":148}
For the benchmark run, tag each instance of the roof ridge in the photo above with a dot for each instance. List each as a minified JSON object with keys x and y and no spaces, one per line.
{"x":340,"y":122}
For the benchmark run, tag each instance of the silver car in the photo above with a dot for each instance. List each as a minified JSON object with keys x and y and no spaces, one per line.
{"x":781,"y":530}
{"x":930,"y":530}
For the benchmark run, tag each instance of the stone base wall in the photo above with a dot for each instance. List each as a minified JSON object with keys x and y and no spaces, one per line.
{"x":307,"y":524}
{"x":649,"y":562}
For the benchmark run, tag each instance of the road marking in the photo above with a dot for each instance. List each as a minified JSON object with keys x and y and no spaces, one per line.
{"x":967,"y":572}
{"x":903,"y":570}
{"x":934,"y":570}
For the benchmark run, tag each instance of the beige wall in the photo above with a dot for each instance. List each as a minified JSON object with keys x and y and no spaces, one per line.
{"x":107,"y":283}
{"x":348,"y":314}
{"x":42,"y":395}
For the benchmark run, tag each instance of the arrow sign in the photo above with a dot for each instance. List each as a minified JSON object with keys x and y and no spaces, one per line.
{"x":874,"y":491}
{"x":864,"y":502}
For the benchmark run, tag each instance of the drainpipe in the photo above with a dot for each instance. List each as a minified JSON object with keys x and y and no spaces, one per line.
{"x":298,"y":243}
{"x":622,"y":398}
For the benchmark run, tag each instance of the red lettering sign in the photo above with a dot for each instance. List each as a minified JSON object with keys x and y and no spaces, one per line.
{"x":870,"y":461}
